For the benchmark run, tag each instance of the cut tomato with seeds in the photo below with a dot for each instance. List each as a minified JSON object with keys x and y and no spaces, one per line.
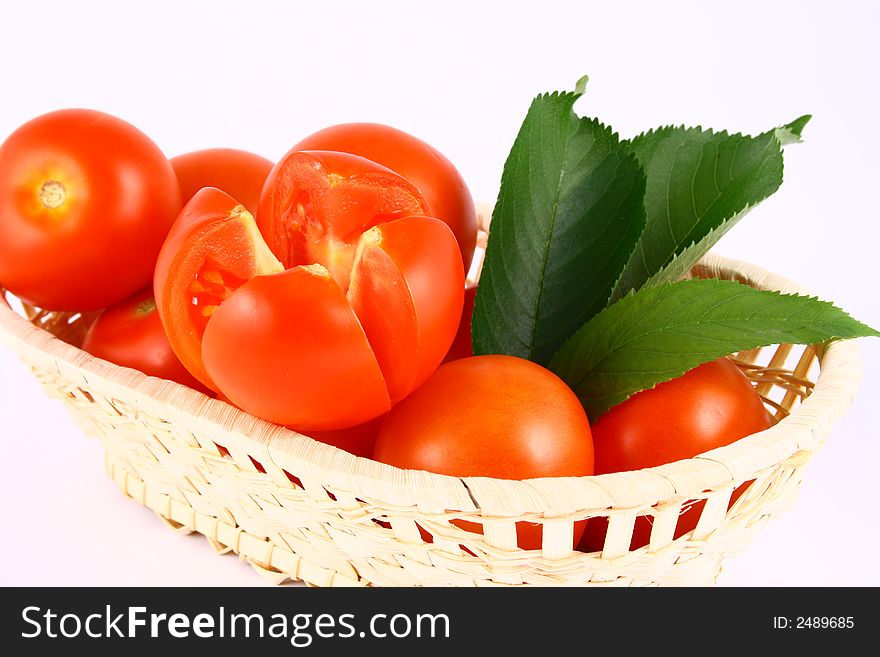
{"x":359,"y":306}
{"x":317,"y":204}
{"x":214,"y":247}
{"x":438,"y":181}
{"x":289,"y":348}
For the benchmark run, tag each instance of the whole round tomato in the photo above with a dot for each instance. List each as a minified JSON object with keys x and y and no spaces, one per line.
{"x":131,"y":334}
{"x":444,"y":190}
{"x":238,"y":173}
{"x":491,"y":416}
{"x":86,"y":200}
{"x":710,"y":406}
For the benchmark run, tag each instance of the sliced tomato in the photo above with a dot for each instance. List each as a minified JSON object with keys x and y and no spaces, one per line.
{"x":436,"y":178}
{"x":214,"y":247}
{"x":317,"y":204}
{"x":359,"y":306}
{"x":406,"y":290}
{"x":289,"y":348}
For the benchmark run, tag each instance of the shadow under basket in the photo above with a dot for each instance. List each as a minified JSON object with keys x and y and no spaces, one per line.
{"x":298,"y":509}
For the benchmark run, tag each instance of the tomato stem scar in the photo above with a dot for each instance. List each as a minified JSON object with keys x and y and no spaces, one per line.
{"x":52,"y":194}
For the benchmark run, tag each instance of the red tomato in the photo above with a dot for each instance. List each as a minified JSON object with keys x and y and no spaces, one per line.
{"x":289,"y":348}
{"x":238,"y":173}
{"x":361,"y":308}
{"x":358,"y":440}
{"x":491,"y":416}
{"x":711,"y":406}
{"x":444,"y":190}
{"x":131,"y":334}
{"x":85,"y":202}
{"x":214,"y":247}
{"x":462,"y":345}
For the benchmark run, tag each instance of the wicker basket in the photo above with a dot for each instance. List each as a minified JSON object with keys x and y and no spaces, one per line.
{"x":301,"y":510}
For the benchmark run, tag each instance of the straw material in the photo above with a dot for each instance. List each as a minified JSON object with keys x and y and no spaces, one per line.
{"x":301,"y":510}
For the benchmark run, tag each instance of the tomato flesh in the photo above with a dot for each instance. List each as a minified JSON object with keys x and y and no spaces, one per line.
{"x":211,"y":286}
{"x":213,"y":247}
{"x":318,"y":205}
{"x":445,"y":193}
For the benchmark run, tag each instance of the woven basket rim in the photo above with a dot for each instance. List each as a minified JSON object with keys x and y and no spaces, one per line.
{"x":279,"y":449}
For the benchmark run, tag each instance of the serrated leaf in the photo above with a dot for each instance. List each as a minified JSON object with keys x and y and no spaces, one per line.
{"x":790,"y":133}
{"x":659,"y":333}
{"x":684,"y":261}
{"x":568,"y":215}
{"x":699,"y":184}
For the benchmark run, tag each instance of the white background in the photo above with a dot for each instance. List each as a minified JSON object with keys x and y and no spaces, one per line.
{"x":460,"y":75}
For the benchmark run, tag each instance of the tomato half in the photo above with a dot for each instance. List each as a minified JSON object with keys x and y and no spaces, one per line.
{"x":238,"y":173}
{"x":710,"y":406}
{"x":131,"y":334}
{"x":86,"y":200}
{"x":491,"y":416}
{"x":444,"y":190}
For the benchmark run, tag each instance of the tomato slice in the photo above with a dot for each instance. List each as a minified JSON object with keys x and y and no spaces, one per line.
{"x":317,"y":204}
{"x":407,"y":290}
{"x":213,"y":248}
{"x":289,"y":348}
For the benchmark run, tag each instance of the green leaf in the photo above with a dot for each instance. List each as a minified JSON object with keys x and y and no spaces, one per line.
{"x":684,"y":261}
{"x":790,"y":133}
{"x":568,"y":215}
{"x":659,"y":333}
{"x":699,"y":184}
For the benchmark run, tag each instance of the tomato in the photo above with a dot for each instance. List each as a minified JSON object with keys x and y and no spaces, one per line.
{"x":349,"y":304}
{"x":358,"y":440}
{"x":289,"y":348}
{"x":360,"y":221}
{"x":444,"y":190}
{"x":462,"y":345}
{"x":130,"y":334}
{"x":86,"y":200}
{"x":491,"y":416}
{"x":710,"y":406}
{"x":409,"y":332}
{"x":238,"y":173}
{"x":213,"y":247}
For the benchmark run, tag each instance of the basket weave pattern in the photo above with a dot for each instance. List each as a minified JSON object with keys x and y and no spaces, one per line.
{"x":301,"y":510}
